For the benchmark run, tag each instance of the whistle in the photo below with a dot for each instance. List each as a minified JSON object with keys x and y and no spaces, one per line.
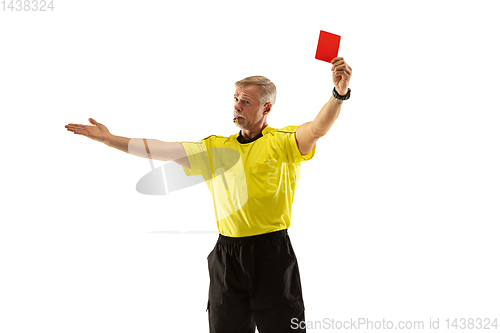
{"x":235,"y":120}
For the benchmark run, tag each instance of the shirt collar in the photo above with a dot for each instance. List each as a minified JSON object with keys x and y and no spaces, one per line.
{"x":264,"y":131}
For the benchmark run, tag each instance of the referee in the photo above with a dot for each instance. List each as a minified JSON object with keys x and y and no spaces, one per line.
{"x":252,"y":176}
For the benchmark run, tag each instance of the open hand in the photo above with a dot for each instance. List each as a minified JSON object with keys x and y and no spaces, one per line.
{"x":98,"y":132}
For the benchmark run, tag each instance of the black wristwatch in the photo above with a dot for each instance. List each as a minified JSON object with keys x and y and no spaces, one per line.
{"x":342,"y":98}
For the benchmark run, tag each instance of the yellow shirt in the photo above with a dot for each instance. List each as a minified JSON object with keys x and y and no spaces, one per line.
{"x":252,"y":182}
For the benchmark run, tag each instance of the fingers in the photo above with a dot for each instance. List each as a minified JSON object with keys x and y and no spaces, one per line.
{"x":77,"y":129}
{"x":340,"y":67}
{"x":80,"y":128}
{"x":73,"y":126}
{"x":336,"y":60}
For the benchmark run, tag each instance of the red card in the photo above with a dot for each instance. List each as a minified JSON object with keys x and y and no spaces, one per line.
{"x":328,"y":46}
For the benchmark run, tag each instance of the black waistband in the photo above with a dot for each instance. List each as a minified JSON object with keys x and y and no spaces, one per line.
{"x":252,"y":239}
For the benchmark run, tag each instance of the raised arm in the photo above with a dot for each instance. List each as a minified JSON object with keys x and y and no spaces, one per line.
{"x":308,"y":133}
{"x":146,"y":148}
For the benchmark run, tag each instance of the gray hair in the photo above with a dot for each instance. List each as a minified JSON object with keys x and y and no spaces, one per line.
{"x":267,"y":92}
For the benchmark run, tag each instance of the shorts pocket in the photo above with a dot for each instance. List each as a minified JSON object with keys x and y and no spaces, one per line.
{"x":286,"y":246}
{"x":208,"y":257}
{"x":217,"y":273}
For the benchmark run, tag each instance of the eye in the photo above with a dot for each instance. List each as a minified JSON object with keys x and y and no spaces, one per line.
{"x":236,"y":99}
{"x":247,"y":102}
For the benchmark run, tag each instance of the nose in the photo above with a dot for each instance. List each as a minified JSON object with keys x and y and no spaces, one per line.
{"x":237,"y":106}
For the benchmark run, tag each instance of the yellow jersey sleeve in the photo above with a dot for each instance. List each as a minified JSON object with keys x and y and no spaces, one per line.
{"x":197,"y":155}
{"x":286,"y":139}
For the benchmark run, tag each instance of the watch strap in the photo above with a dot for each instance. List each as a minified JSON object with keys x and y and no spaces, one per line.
{"x":342,"y":97}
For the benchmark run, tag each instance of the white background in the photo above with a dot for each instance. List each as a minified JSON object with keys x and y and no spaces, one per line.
{"x":395,"y":218}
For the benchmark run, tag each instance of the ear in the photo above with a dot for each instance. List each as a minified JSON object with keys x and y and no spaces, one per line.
{"x":267,"y":108}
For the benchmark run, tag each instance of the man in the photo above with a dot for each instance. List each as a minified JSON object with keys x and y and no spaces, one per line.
{"x":252,"y":175}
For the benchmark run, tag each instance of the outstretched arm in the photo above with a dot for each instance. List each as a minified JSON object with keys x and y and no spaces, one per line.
{"x":308,"y":133}
{"x":147,"y":148}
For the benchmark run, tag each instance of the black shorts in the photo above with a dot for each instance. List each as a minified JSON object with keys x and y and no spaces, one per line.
{"x":254,"y":281}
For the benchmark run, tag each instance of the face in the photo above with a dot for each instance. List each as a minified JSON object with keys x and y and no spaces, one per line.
{"x":247,"y":107}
